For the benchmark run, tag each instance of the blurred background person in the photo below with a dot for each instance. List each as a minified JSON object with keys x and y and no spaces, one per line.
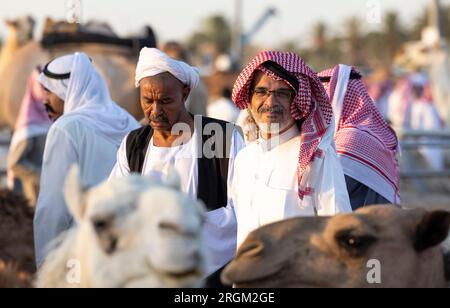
{"x":223,"y":108}
{"x":28,"y":141}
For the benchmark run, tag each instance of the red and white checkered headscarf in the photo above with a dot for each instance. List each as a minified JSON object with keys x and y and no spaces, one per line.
{"x":311,"y":103}
{"x":362,"y":133}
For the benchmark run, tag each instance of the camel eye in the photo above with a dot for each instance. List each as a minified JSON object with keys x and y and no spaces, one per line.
{"x":354,"y":244}
{"x":169,"y":227}
{"x":101,"y":225}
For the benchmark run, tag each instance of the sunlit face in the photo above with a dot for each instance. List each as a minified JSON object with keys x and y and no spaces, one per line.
{"x":162,"y":100}
{"x":270,"y":103}
{"x":53,"y":105}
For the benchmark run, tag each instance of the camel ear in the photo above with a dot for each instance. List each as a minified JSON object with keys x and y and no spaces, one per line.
{"x":74,"y":194}
{"x":432,"y":230}
{"x":32,"y":21}
{"x":173,"y":179}
{"x":10,"y":22}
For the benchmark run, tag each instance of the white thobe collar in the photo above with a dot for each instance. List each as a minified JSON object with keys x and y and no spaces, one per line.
{"x":267,"y":145}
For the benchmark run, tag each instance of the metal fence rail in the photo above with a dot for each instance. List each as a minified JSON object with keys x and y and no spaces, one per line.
{"x":413,"y":140}
{"x":4,"y":142}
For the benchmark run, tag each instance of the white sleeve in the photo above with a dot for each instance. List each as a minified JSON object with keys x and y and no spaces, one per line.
{"x":52,"y":216}
{"x":220,"y":230}
{"x":121,"y":169}
{"x":237,"y":144}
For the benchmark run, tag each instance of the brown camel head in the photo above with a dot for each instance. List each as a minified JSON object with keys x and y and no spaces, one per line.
{"x":22,"y":28}
{"x":380,"y":246}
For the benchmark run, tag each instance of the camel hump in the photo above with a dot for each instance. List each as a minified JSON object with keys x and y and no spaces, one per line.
{"x":58,"y":33}
{"x":92,"y":27}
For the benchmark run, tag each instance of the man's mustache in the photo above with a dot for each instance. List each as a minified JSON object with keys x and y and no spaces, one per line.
{"x":158,"y":118}
{"x":274,"y":110}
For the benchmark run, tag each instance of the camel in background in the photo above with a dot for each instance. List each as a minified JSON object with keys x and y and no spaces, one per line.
{"x":21,"y":54}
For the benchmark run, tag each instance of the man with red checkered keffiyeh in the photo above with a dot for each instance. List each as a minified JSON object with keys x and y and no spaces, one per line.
{"x":292,"y":169}
{"x":366,"y":145}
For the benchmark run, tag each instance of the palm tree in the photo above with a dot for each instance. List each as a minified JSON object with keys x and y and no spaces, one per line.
{"x":218,"y":30}
{"x":394,"y":34}
{"x":214,"y":30}
{"x":354,"y":40}
{"x":319,"y":36}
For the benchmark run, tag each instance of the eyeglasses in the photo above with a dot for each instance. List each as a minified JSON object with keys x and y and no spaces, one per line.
{"x":281,"y":95}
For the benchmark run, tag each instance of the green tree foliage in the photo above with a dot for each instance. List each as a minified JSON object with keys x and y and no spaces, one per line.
{"x":359,"y":45}
{"x":215,"y":30}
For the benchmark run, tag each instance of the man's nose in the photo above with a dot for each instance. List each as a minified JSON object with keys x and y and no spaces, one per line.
{"x":156,"y":110}
{"x":271,"y":100}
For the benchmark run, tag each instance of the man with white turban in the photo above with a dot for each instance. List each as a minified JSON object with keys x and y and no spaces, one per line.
{"x":87,"y":130}
{"x":201,"y":149}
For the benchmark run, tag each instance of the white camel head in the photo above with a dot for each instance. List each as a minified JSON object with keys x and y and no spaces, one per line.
{"x":131,"y":232}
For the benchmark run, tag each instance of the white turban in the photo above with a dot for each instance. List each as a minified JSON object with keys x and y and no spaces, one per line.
{"x":153,"y":61}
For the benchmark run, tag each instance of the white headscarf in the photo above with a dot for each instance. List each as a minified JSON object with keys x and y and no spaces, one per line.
{"x":153,"y":61}
{"x":59,"y":66}
{"x":86,"y":95}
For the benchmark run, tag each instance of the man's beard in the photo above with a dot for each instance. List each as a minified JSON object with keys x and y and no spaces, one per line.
{"x":272,"y":128}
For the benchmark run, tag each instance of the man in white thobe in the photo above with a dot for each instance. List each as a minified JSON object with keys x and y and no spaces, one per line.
{"x":87,"y":131}
{"x":176,"y":139}
{"x":272,"y":181}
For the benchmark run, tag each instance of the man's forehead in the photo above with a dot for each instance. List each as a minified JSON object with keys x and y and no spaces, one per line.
{"x":260,"y":78}
{"x":164,"y":79}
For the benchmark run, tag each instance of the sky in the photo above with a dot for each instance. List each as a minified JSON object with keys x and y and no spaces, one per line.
{"x":177,"y":19}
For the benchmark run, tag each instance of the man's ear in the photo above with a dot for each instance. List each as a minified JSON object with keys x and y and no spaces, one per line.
{"x":74,"y":194}
{"x":432,"y":230}
{"x":186,"y":92}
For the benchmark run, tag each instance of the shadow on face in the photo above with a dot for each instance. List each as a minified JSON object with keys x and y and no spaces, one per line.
{"x":53,"y":105}
{"x":162,"y":100}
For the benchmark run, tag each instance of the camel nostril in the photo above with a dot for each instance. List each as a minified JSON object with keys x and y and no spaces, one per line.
{"x":251,"y":249}
{"x":112,"y":246}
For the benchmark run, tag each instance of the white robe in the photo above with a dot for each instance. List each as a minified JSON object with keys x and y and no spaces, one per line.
{"x":424,"y":116}
{"x":223,"y":109}
{"x":70,"y":140}
{"x":220,"y":228}
{"x":87,"y":134}
{"x":265,"y":186}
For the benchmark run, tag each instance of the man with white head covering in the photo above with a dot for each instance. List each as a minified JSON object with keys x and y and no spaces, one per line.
{"x":201,"y":149}
{"x":292,"y":169}
{"x":87,"y":131}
